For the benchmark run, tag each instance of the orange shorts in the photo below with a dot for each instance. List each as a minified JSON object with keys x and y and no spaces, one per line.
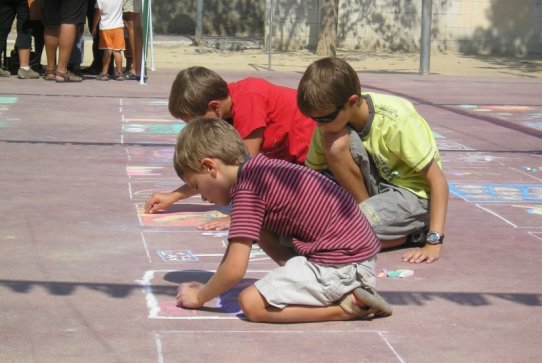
{"x":112,"y":39}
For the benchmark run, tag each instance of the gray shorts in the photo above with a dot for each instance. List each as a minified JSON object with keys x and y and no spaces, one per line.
{"x":393,"y":212}
{"x":301,"y":282}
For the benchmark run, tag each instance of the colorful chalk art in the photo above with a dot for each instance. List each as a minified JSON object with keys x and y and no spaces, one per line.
{"x":529,"y":116}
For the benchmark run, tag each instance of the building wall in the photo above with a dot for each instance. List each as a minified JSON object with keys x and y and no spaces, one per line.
{"x":232,"y":18}
{"x":470,"y":26}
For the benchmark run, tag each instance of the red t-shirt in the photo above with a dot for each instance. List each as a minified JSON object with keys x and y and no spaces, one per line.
{"x":256,"y":103}
{"x":323,"y":219}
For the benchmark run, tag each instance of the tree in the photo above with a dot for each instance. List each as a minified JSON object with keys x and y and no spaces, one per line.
{"x":327,"y":36}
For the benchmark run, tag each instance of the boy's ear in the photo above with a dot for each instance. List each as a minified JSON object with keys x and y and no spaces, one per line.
{"x":214,"y":106}
{"x":209,"y":166}
{"x":353,"y":100}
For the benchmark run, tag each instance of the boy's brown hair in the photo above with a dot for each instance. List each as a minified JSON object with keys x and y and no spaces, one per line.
{"x":207,"y":138}
{"x":193,"y":89}
{"x":326,"y":85}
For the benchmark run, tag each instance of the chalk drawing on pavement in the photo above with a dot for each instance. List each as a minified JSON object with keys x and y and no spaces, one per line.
{"x":177,"y":256}
{"x":162,"y":305}
{"x":527,"y":115}
{"x":488,"y":192}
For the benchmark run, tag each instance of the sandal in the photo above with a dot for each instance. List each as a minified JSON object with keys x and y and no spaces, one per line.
{"x":67,"y":77}
{"x":131,"y":77}
{"x":50,"y":75}
{"x":102,"y":77}
{"x":119,"y":77}
{"x":375,"y":305}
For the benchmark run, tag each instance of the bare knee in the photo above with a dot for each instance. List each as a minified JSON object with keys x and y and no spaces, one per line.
{"x":253,"y":304}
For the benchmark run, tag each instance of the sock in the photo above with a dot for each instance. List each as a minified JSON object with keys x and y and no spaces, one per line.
{"x":27,"y":68}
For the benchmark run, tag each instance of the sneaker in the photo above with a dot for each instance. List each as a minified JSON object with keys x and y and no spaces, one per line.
{"x":4,"y":73}
{"x":27,"y":74}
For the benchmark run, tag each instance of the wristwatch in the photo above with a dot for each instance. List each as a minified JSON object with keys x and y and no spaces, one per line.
{"x":434,"y":238}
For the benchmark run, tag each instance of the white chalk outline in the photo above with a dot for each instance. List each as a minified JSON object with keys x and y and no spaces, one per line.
{"x":154,"y":307}
{"x":502,"y":218}
{"x":380,"y":334}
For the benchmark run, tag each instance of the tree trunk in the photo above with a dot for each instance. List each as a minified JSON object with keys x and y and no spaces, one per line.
{"x":327,"y":37}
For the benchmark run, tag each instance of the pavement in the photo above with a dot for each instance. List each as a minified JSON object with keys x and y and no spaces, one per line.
{"x":86,"y":276}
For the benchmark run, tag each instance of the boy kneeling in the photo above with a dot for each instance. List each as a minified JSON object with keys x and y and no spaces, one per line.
{"x":313,"y":229}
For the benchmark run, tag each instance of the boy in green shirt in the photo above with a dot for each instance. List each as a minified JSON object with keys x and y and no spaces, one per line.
{"x":381,"y":150}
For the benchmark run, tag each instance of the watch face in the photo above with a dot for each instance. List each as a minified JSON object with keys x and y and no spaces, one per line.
{"x":433,"y":237}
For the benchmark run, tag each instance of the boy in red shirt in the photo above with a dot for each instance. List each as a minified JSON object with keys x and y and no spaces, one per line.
{"x":311,"y":227}
{"x":265,"y":115}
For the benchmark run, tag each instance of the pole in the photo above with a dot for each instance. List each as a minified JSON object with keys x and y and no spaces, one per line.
{"x":270,"y":36}
{"x":145,"y":19}
{"x":199,"y":21}
{"x":151,"y":36}
{"x":425,"y":43}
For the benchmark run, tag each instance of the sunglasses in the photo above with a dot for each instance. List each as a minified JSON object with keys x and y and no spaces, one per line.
{"x":327,"y":118}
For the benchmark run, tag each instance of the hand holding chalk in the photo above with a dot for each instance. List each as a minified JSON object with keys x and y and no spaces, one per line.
{"x":187,"y":295}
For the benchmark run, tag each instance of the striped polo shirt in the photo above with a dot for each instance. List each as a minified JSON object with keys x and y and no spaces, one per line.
{"x":290,"y":200}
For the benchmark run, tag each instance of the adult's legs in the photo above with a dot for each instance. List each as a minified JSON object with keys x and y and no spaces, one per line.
{"x":135,"y":38}
{"x":72,"y":14}
{"x":7,"y":15}
{"x":23,"y":41}
{"x":66,"y":39}
{"x":50,"y":36}
{"x":78,"y":50}
{"x":37,"y":33}
{"x":97,"y":55}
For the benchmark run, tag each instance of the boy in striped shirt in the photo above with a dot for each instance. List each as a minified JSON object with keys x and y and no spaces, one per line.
{"x":313,"y":229}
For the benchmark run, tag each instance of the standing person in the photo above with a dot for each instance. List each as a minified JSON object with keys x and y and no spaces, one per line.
{"x":311,"y":227}
{"x":61,"y":18}
{"x":265,"y":115}
{"x":9,"y":9}
{"x":134,"y":28}
{"x":36,"y":30}
{"x":97,"y":54}
{"x":380,"y":149}
{"x":78,"y":51}
{"x":109,"y":16}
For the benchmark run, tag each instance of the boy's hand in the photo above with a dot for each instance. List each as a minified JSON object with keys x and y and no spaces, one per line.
{"x":158,"y":201}
{"x":217,"y":224}
{"x":187,"y":295}
{"x":428,"y":253}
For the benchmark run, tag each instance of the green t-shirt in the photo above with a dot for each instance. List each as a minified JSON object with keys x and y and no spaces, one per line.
{"x":399,"y":141}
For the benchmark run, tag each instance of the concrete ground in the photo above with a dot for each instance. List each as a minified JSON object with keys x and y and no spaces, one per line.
{"x":86,"y":276}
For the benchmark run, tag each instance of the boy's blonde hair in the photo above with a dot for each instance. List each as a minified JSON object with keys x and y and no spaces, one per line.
{"x":207,"y":138}
{"x":326,"y":85}
{"x":193,"y":89}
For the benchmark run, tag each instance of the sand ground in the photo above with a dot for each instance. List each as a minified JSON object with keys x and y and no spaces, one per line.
{"x":171,"y":54}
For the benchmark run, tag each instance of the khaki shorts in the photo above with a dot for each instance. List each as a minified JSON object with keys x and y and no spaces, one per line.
{"x":300,"y":282}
